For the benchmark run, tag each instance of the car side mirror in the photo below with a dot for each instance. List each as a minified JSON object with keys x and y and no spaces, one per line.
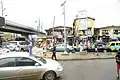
{"x":37,"y":64}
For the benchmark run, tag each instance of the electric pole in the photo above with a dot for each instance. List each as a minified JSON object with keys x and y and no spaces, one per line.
{"x":63,"y":5}
{"x":53,"y":28}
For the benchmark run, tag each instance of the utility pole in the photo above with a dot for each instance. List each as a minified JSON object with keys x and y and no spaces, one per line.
{"x":63,"y":5}
{"x":41,"y":27}
{"x":2,"y":9}
{"x":53,"y":28}
{"x":38,"y":27}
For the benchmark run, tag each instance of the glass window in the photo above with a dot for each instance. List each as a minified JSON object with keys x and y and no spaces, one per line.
{"x":115,"y":31}
{"x":7,"y":62}
{"x":15,"y":43}
{"x":23,"y":61}
{"x":22,"y":43}
{"x":41,"y":59}
{"x":117,"y":44}
{"x":113,"y":44}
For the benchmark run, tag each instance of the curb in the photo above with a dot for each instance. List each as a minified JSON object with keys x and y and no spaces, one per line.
{"x":85,"y":59}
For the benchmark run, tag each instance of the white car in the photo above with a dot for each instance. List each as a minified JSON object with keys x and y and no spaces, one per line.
{"x":23,"y":66}
{"x":8,"y":45}
{"x":20,"y":45}
{"x":4,"y":51}
{"x":11,"y":46}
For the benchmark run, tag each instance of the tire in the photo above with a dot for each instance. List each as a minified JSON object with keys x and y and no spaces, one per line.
{"x":22,"y":49}
{"x":50,"y":75}
{"x":68,"y":50}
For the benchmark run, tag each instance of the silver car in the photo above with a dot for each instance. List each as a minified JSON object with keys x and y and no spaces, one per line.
{"x":22,"y":66}
{"x":20,"y":45}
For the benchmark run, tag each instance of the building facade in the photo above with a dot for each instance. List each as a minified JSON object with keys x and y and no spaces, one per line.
{"x":56,"y":34}
{"x":110,"y":31}
{"x":83,"y":26}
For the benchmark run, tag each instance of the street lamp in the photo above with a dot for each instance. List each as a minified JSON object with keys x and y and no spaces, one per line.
{"x":53,"y":29}
{"x":2,"y":8}
{"x":38,"y":26}
{"x":63,"y":5}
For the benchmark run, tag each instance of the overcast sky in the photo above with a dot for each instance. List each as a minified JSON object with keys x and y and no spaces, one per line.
{"x":26,"y":12}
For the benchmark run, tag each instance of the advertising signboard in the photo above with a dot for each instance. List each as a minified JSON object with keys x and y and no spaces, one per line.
{"x":82,"y":24}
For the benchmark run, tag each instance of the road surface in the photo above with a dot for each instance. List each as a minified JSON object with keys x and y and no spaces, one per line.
{"x":89,"y":70}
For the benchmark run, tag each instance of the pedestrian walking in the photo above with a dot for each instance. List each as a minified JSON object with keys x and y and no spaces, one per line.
{"x":54,"y":52}
{"x":117,"y":57}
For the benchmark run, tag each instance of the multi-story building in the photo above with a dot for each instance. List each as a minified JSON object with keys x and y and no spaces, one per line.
{"x":110,"y":31}
{"x":84,"y":27}
{"x":57,"y":33}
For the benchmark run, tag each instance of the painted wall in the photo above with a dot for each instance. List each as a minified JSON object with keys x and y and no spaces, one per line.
{"x":80,"y":24}
{"x":110,"y":30}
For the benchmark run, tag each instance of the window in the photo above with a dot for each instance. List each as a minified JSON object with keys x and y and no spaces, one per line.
{"x":116,"y":31}
{"x":22,"y":43}
{"x":105,"y":32}
{"x":7,"y":62}
{"x":15,"y":43}
{"x":41,"y":59}
{"x":113,"y":44}
{"x":117,"y":44}
{"x":23,"y":61}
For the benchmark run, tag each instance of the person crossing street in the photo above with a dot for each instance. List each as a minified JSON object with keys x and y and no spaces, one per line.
{"x":117,"y":57}
{"x":54,"y":52}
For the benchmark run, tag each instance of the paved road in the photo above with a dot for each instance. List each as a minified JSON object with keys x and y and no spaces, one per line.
{"x":89,"y":70}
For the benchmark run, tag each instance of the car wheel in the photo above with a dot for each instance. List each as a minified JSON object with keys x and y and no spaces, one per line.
{"x":22,"y":49}
{"x":68,"y":50}
{"x":50,"y":75}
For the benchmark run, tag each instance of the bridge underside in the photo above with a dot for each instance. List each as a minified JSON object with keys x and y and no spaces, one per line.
{"x":16,"y":31}
{"x":9,"y":26}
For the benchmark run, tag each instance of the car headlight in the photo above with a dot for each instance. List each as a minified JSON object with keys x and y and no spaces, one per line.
{"x":59,"y":67}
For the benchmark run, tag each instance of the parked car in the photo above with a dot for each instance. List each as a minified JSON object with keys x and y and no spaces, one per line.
{"x":22,"y":66}
{"x":91,"y":48}
{"x":102,"y":47}
{"x":78,"y":48}
{"x":20,"y":45}
{"x":114,"y":45}
{"x":8,"y":45}
{"x":4,"y":51}
{"x":61,"y":48}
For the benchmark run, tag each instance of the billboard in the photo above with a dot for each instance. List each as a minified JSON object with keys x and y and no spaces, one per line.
{"x":82,"y":24}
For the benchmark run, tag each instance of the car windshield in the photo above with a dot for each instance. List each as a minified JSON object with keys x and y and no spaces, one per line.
{"x":41,"y":59}
{"x":5,"y":43}
{"x":15,"y":43}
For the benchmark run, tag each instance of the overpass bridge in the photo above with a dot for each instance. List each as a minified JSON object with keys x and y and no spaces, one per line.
{"x":9,"y":26}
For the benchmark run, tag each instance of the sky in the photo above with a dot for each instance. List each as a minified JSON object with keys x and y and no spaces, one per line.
{"x":28,"y":12}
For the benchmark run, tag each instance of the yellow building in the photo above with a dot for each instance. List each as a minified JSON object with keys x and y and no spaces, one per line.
{"x":83,"y":26}
{"x":110,"y":31}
